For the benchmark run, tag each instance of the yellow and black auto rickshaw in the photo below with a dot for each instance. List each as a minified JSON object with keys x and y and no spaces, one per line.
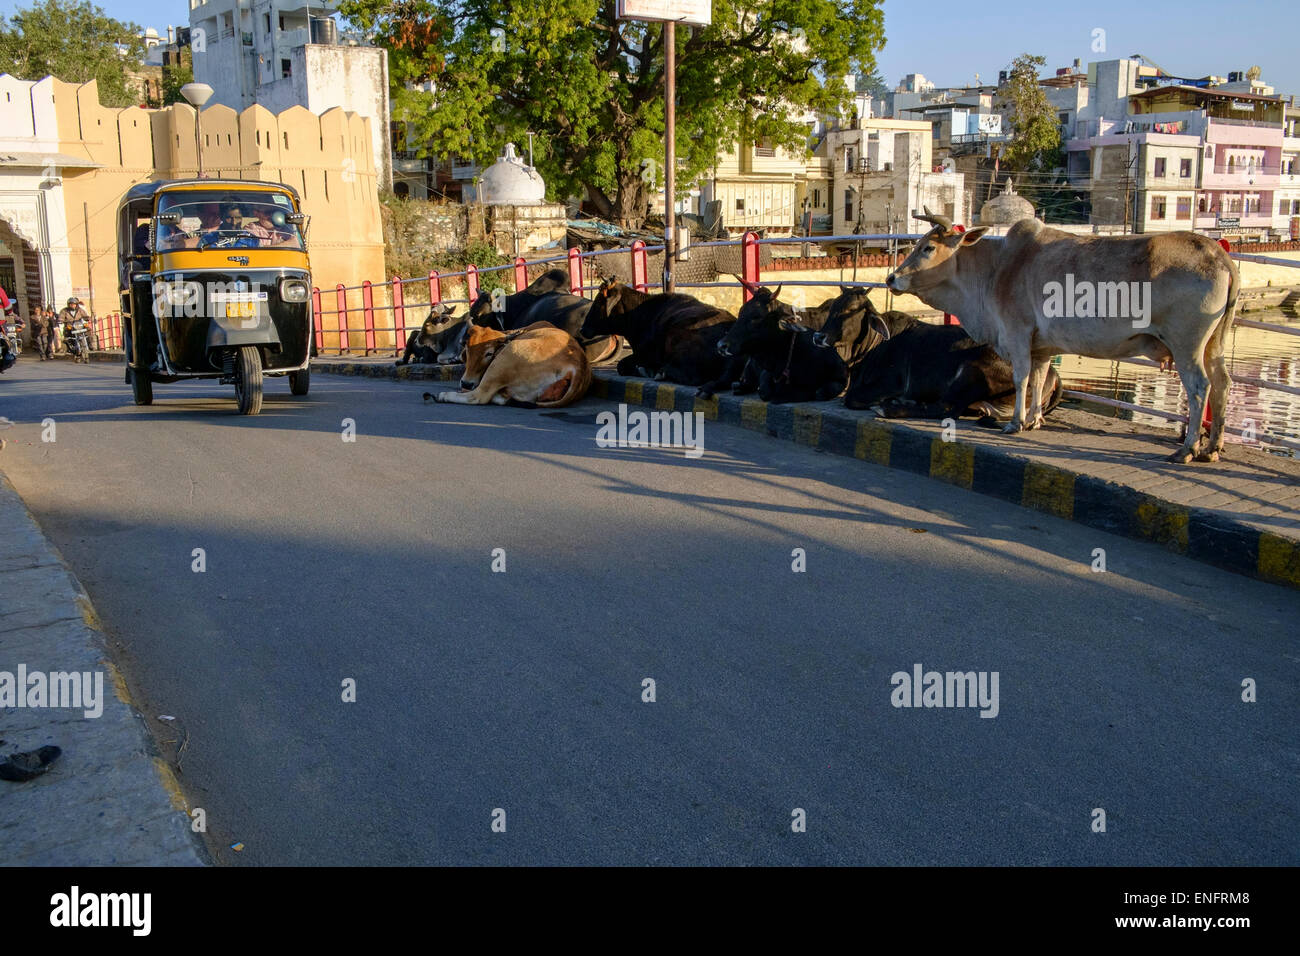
{"x":215,"y":283}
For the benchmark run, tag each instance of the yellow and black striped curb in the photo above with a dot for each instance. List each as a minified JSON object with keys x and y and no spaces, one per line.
{"x":1209,"y":536}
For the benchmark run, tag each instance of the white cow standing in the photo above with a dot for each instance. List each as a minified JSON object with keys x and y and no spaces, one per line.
{"x":1042,"y":292}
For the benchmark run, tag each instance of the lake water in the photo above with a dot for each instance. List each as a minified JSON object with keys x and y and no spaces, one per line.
{"x":1255,"y":353}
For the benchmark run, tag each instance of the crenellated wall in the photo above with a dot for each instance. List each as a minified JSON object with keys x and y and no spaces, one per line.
{"x":70,"y":160}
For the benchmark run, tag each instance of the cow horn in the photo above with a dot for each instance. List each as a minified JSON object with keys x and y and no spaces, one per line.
{"x":934,"y":220}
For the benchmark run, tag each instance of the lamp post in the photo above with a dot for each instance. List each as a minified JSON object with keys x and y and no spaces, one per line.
{"x":196,"y":94}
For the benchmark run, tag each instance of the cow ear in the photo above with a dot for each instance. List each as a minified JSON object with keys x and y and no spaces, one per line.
{"x":972,"y":236}
{"x":875,"y":321}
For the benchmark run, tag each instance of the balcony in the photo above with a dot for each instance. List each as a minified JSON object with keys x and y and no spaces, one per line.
{"x":1221,"y":177}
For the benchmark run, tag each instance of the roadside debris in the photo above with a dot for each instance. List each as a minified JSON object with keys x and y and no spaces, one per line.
{"x":21,"y":767}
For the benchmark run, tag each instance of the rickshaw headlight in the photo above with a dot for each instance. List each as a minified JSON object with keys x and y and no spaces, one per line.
{"x":293,"y":290}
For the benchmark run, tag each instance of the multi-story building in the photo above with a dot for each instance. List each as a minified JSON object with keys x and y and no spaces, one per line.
{"x":875,"y":172}
{"x":1164,"y":153}
{"x":1287,"y":218}
{"x":285,"y":53}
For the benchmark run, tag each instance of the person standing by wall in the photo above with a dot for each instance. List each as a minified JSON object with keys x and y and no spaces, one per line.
{"x":56,"y":332}
{"x":40,"y":338}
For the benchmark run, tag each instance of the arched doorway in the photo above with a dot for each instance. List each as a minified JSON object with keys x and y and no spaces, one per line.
{"x":20,"y":272}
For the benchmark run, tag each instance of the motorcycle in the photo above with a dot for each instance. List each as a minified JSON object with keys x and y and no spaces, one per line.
{"x":10,"y":329}
{"x":77,"y":339}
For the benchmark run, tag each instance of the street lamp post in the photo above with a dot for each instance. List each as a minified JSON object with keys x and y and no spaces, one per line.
{"x":196,"y":94}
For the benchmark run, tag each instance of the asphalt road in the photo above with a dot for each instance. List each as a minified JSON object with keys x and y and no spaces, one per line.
{"x":371,"y":560}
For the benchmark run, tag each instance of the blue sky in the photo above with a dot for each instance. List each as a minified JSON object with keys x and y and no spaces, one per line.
{"x":951,"y":41}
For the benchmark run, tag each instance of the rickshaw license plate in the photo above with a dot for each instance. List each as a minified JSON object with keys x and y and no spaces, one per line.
{"x":239,"y":305}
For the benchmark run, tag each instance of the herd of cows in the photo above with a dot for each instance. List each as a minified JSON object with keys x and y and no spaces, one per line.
{"x":536,"y":346}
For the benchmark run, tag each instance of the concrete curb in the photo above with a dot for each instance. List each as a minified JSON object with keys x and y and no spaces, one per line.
{"x":101,"y":356}
{"x":109,"y":800}
{"x":1208,"y":536}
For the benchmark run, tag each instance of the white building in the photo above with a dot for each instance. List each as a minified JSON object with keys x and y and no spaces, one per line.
{"x":282,"y":53}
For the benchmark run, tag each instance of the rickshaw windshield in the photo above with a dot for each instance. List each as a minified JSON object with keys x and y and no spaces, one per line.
{"x":227,"y":220}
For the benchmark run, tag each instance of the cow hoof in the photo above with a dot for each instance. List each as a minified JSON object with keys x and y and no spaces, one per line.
{"x":1011,"y":428}
{"x":429,"y":395}
{"x":1181,"y":457}
{"x":1208,"y":456}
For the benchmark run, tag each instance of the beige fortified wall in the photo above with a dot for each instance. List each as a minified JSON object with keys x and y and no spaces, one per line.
{"x":327,"y":158}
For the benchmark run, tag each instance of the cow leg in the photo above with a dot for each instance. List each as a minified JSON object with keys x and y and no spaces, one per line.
{"x":1196,"y":384}
{"x":1037,"y":377}
{"x":1220,"y":387}
{"x":482,"y":395}
{"x":1021,"y":367}
{"x":748,"y":381}
{"x":732,"y":369}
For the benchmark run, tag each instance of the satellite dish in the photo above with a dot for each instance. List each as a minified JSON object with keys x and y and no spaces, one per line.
{"x":1253,"y":73}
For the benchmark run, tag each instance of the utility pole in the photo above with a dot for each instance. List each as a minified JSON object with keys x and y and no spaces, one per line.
{"x":670,"y":150}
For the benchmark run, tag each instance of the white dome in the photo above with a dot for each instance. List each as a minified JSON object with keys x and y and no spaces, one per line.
{"x":509,"y":182}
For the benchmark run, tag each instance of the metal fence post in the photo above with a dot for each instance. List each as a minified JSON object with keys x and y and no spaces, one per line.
{"x":521,"y":274}
{"x":399,"y":316}
{"x":749,"y":270}
{"x":640,"y":267}
{"x":575,"y":271}
{"x":368,"y":314}
{"x":471,"y":282}
{"x":341,"y":321}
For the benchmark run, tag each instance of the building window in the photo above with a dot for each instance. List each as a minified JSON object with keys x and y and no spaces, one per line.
{"x":1184,"y":208}
{"x":1185,"y":168}
{"x":740,"y":205}
{"x":266,"y":22}
{"x":848,"y":205}
{"x":817,"y":199}
{"x":1157,"y":207}
{"x":764,"y":148}
{"x":282,"y":23}
{"x":1160,"y":166}
{"x":284,"y":69}
{"x":848,"y":160}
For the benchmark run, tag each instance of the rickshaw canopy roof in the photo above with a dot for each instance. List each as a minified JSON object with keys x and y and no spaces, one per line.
{"x":142,"y":191}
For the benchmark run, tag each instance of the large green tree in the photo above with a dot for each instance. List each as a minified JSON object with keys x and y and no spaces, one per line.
{"x":1035,"y":145}
{"x":73,"y":40}
{"x":469,"y":76}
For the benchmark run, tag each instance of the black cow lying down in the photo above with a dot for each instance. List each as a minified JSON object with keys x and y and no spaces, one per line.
{"x":514,"y":308}
{"x":784,"y":363}
{"x":672,"y":336}
{"x":919,"y":370}
{"x":424,"y":344}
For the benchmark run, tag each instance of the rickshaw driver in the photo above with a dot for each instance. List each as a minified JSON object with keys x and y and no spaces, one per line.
{"x":230,"y":232}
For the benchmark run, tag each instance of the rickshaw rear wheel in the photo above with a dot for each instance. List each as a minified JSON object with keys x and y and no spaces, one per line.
{"x":141,"y":388}
{"x":299,"y":382}
{"x":248,"y":380}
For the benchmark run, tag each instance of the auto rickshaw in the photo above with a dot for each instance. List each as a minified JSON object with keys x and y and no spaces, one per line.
{"x":215,"y":283}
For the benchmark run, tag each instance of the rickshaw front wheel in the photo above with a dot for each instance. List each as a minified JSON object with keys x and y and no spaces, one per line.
{"x":248,"y":380}
{"x":299,"y":382}
{"x":141,"y":388}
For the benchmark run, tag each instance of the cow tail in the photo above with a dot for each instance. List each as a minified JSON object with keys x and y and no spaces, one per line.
{"x":1058,"y":391}
{"x":1229,"y":310}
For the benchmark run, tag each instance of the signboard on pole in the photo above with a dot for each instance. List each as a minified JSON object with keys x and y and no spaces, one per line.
{"x":699,"y":12}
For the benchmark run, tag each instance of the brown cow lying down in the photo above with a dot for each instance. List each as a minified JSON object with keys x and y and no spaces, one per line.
{"x":539,"y":366}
